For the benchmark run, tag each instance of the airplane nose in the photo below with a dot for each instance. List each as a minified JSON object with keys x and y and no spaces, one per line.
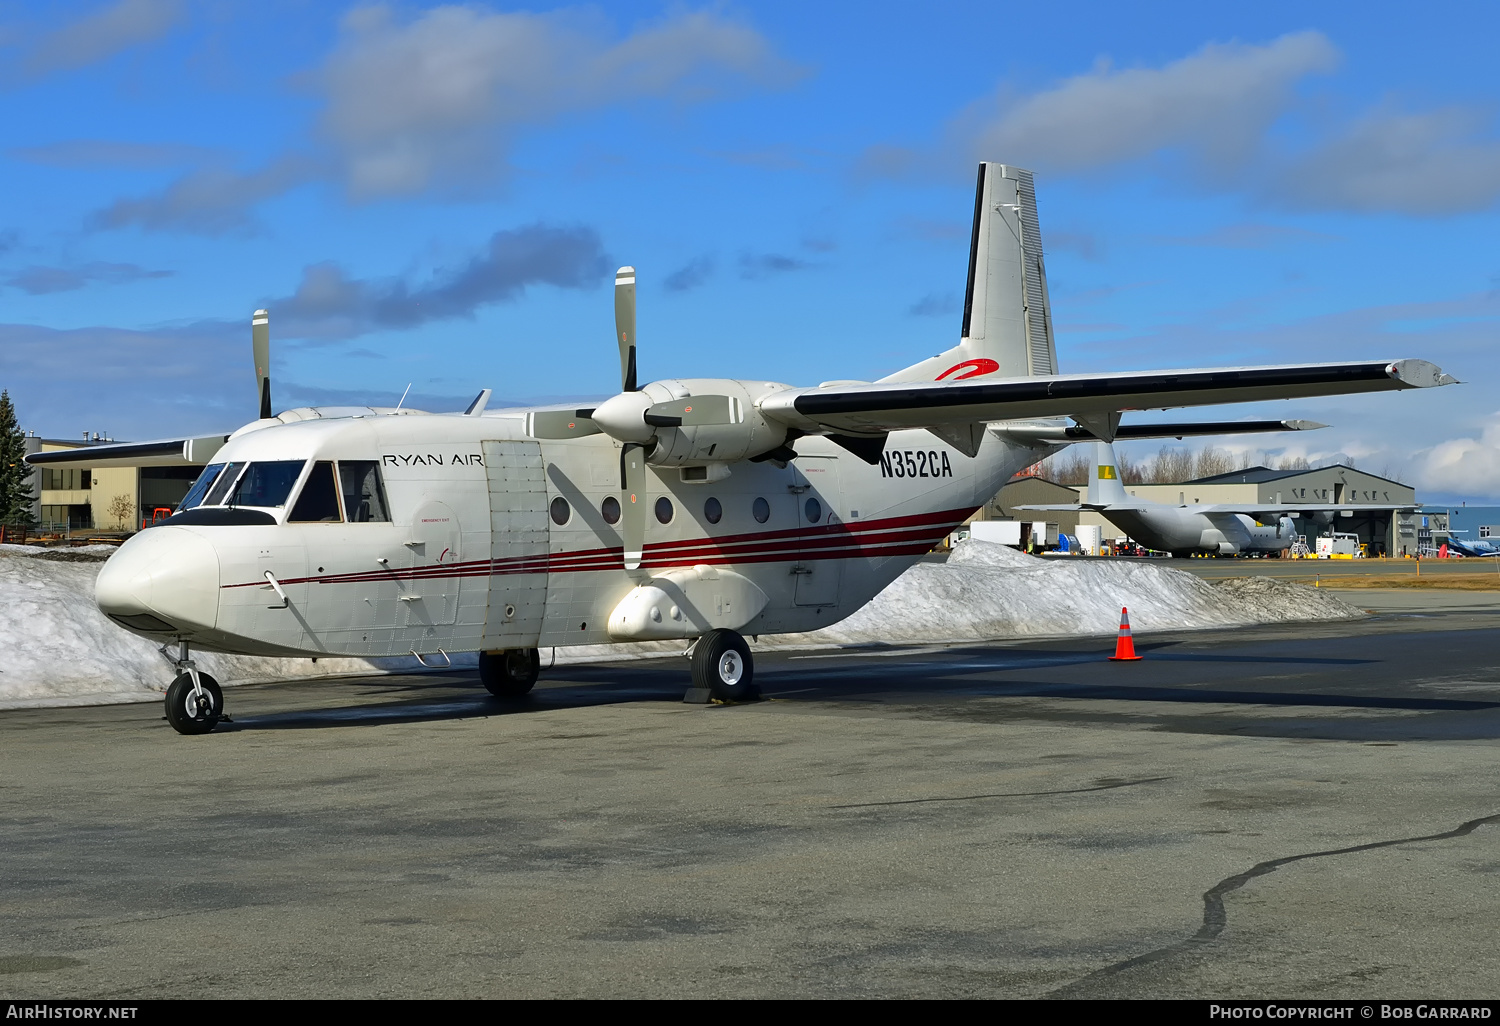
{"x":164,"y":580}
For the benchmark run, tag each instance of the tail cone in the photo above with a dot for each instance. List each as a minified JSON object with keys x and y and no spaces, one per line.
{"x":1125,"y":646}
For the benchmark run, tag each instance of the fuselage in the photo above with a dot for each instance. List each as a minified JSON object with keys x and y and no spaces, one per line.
{"x":385,"y":535}
{"x":1169,"y":529}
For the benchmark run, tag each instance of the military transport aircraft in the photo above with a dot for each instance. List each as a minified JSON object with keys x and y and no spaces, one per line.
{"x":693,"y":509}
{"x":1220,"y":529}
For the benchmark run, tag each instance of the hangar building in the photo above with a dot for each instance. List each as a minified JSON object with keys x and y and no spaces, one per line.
{"x":65,"y":498}
{"x":1384,"y":531}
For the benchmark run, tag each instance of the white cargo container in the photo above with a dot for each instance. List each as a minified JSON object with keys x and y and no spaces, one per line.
{"x":1089,"y":538}
{"x":1003,"y":532}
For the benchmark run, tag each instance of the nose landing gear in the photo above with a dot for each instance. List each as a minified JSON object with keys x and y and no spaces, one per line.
{"x":195,"y":702}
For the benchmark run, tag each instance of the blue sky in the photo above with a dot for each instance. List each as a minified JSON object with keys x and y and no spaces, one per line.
{"x":439,"y":195}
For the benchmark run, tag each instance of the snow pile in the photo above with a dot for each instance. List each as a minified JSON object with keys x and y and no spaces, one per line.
{"x":56,"y":647}
{"x":990,"y":591}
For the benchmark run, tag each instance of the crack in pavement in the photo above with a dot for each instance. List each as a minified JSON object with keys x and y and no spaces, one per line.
{"x":1215,"y":918}
{"x":1015,"y":794}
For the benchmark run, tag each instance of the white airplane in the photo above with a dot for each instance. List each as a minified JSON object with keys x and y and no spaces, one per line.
{"x":702,"y":509}
{"x":1223,"y":529}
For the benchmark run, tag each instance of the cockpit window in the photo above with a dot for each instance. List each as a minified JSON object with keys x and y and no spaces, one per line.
{"x":364,"y":498}
{"x":222,"y":485}
{"x":200,"y":488}
{"x":266,"y":484}
{"x":319,"y":501}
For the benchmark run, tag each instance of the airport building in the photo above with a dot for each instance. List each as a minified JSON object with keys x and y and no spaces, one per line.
{"x":103,"y":499}
{"x":1381,"y":531}
{"x":1384,"y":532}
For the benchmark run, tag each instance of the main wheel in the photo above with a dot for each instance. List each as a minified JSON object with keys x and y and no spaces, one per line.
{"x":511,"y":673}
{"x":194,"y":714}
{"x":722,"y":664}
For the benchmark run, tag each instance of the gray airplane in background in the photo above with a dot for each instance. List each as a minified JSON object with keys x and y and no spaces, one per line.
{"x":1219,"y":529}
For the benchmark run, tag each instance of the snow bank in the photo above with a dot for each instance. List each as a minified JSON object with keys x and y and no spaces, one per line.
{"x":992,"y":591}
{"x":56,"y":648}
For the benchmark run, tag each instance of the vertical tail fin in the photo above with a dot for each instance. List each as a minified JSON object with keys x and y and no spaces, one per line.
{"x":1105,"y":485}
{"x":1007,"y":324}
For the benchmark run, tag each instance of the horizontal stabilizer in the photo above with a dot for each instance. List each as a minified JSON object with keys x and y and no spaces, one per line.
{"x":167,"y":452}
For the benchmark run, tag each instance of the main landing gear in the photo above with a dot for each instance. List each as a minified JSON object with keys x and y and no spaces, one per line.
{"x":195,"y":703}
{"x":722,"y":667}
{"x":509,"y":673}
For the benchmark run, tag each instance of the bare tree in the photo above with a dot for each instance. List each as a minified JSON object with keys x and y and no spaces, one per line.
{"x":1069,"y":467}
{"x":120,"y":509}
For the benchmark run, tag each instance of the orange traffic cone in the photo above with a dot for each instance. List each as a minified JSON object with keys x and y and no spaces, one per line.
{"x":1125,"y":646}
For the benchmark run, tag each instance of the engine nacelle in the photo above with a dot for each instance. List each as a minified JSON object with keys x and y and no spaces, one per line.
{"x":698,"y":444}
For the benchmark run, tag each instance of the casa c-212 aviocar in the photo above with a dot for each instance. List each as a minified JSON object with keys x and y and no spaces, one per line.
{"x":694,"y":509}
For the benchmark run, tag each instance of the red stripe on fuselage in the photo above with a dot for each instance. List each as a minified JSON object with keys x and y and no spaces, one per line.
{"x":892,"y":536}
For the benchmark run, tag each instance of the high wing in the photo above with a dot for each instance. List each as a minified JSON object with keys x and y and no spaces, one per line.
{"x":889,"y":406}
{"x":166,"y":452}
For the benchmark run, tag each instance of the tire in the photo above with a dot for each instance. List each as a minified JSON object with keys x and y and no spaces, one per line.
{"x":193,"y":721}
{"x":511,"y":673}
{"x":722,"y":664}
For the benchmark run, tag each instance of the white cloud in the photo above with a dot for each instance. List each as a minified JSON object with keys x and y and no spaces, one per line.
{"x":330,"y":306}
{"x":210,"y":201}
{"x":1464,"y":466}
{"x":101,"y":35}
{"x":1413,"y":163}
{"x":432,"y":102}
{"x":1216,"y":103}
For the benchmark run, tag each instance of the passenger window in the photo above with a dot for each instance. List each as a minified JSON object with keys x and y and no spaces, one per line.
{"x":319,"y":501}
{"x":713,"y":510}
{"x":610,"y":509}
{"x":222,"y":486}
{"x":664,"y":510}
{"x":761,"y":510}
{"x":201,"y":486}
{"x":266,"y":484}
{"x":364,"y":496}
{"x":560,"y":511}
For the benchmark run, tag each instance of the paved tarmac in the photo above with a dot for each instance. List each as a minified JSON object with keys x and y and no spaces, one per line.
{"x":1282,"y":811}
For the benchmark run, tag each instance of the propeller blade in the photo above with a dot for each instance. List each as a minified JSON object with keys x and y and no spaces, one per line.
{"x":698,"y":409}
{"x":260,"y":349}
{"x":560,"y":424}
{"x":625,"y":325}
{"x":633,"y":502}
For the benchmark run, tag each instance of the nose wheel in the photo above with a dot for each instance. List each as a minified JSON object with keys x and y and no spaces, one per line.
{"x":722,"y":665}
{"x":195,"y":703}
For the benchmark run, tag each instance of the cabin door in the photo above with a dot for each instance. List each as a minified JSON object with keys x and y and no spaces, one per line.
{"x":519,"y":541}
{"x":816,"y":489}
{"x":432,"y":599}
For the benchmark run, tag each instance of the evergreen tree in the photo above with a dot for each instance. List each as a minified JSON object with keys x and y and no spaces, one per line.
{"x":15,"y":475}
